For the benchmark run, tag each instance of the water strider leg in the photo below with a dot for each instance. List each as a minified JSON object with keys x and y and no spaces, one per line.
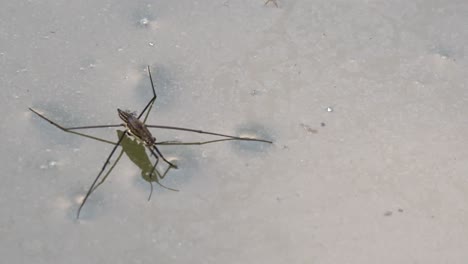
{"x":164,"y":175}
{"x":209,"y":133}
{"x":110,"y":170}
{"x":177,"y":143}
{"x":96,"y":126}
{"x":91,"y":189}
{"x":155,"y":170}
{"x":150,"y":103}
{"x":68,"y":130}
{"x":161,"y":155}
{"x":151,"y":190}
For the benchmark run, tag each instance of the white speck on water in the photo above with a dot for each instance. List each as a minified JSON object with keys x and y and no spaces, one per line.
{"x":329,"y":109}
{"x":144,"y":21}
{"x":49,"y":165}
{"x":151,"y":44}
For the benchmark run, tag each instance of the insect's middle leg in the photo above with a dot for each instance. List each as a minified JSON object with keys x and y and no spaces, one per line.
{"x":158,"y":174}
{"x":161,"y":155}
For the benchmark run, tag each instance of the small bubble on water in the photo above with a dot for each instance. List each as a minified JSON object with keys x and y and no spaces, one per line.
{"x":329,"y":109}
{"x":144,"y":21}
{"x":50,"y":164}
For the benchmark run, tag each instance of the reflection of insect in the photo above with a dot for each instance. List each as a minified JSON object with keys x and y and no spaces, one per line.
{"x":137,"y":128}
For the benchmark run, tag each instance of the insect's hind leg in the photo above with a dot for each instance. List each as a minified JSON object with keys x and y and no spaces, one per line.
{"x":110,"y":170}
{"x":92,"y":188}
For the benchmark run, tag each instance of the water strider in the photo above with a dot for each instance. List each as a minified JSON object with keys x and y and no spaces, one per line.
{"x":137,"y":128}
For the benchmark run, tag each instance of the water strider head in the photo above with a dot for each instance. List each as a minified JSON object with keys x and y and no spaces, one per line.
{"x":137,"y":128}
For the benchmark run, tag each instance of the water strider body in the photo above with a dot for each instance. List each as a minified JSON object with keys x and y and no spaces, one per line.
{"x":138,"y":128}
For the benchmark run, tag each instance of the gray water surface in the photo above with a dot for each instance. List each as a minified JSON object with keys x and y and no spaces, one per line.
{"x":365,"y":102}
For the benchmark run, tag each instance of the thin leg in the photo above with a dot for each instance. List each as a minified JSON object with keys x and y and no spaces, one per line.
{"x":176,"y":143}
{"x":150,"y":103}
{"x":99,"y":175}
{"x":164,"y":175}
{"x":162,"y":185}
{"x":161,"y":155}
{"x":156,"y":180}
{"x":209,"y":133}
{"x":73,"y":132}
{"x":151,"y":176}
{"x":151,"y":190}
{"x":155,"y":170}
{"x":110,"y":170}
{"x":147,"y":113}
{"x":97,"y":126}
